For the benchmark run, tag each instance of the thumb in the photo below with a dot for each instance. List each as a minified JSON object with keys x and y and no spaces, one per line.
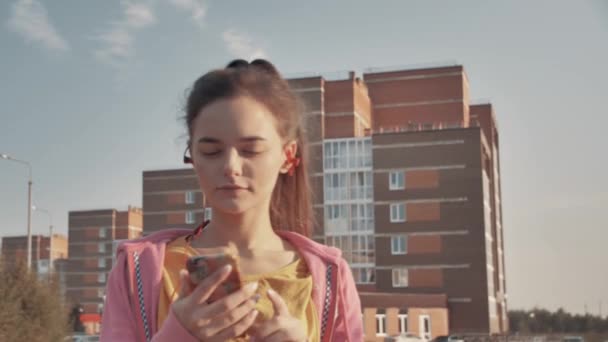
{"x":280,"y":308}
{"x":185,"y":287}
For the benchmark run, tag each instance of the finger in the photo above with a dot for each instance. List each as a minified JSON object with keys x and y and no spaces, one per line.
{"x":278,"y":336}
{"x":238,"y":328}
{"x":264,"y":329}
{"x":222,"y":321}
{"x":280,"y":308}
{"x":185,"y":287}
{"x":233,"y":300}
{"x":206,"y":287}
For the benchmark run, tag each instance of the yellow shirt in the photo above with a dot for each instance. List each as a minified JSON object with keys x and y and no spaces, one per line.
{"x":293,"y":282}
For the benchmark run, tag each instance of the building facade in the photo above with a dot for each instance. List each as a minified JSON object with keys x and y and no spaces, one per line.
{"x":91,"y":237}
{"x":14,"y":249}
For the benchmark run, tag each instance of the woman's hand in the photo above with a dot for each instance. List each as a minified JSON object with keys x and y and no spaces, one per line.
{"x":283,"y":327}
{"x":221,"y":320}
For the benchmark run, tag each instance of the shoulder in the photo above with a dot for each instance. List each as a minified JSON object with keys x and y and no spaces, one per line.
{"x":309,"y":246}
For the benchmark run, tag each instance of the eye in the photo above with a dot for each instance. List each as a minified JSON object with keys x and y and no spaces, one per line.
{"x":250,"y":152}
{"x":210,"y":152}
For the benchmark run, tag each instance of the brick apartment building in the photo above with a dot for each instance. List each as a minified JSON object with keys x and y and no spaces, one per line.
{"x":91,"y":241}
{"x":406,"y":180}
{"x":14,"y":249}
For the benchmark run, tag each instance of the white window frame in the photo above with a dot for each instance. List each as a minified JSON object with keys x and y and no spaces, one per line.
{"x":380,"y":324}
{"x":423,"y":334}
{"x":101,"y":263}
{"x":402,"y":318}
{"x":101,"y":247}
{"x":101,"y":278}
{"x":100,"y":293}
{"x":397,"y":277}
{"x":190,"y":217}
{"x":190,"y":197}
{"x":401,"y":242}
{"x":208,"y":213}
{"x":396,"y":180}
{"x":102,"y":233}
{"x":396,"y":210}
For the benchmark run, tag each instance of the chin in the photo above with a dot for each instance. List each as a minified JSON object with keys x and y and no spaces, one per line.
{"x":231,"y":206}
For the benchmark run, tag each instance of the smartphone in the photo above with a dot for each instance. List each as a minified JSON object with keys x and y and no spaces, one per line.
{"x":208,"y":261}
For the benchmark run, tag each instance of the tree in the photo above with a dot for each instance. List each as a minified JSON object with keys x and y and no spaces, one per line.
{"x":30,"y":309}
{"x":543,"y":321}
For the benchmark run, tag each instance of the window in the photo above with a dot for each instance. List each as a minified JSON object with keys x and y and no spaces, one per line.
{"x":101,"y":247}
{"x":398,"y":244}
{"x":100,"y":293}
{"x":101,"y":278}
{"x":398,"y":212}
{"x":208,"y":214}
{"x":190,"y":197}
{"x":364,"y":275}
{"x":101,"y":263}
{"x":380,"y":325}
{"x":400,"y":277}
{"x":425,"y":327}
{"x":396,"y":180}
{"x":190,"y":217}
{"x":102,"y":232}
{"x":402,"y":323}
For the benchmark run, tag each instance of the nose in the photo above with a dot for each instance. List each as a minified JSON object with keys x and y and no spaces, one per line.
{"x":233,"y":164}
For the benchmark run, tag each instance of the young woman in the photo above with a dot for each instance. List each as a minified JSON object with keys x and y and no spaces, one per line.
{"x":247,"y":147}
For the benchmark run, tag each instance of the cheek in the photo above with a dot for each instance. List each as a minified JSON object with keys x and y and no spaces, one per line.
{"x":204,"y":176}
{"x":265,"y":170}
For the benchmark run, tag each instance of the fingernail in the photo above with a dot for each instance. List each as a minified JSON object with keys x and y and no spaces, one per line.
{"x":227,"y":268}
{"x":251,"y":287}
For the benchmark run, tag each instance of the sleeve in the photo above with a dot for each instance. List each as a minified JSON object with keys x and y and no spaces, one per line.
{"x":118,"y":321}
{"x":349,"y":322}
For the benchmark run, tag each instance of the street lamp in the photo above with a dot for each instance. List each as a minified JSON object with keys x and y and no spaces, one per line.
{"x":35,"y":208}
{"x":29,"y":206}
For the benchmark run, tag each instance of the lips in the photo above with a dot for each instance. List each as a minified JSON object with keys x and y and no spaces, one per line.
{"x":232,"y":187}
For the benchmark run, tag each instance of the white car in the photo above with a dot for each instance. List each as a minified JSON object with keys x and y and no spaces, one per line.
{"x":403,"y":338}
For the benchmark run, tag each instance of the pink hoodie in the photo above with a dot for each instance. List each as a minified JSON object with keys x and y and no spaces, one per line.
{"x":134,"y":287}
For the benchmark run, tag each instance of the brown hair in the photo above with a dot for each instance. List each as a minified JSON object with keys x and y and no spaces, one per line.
{"x":290,"y":206}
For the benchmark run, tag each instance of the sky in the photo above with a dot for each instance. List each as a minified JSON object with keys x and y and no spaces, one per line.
{"x":91,"y":95}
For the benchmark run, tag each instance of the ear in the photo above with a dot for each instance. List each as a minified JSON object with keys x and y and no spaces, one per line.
{"x":289,"y":152}
{"x":188,"y":158}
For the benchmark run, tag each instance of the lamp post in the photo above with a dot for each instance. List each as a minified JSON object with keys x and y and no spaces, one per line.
{"x":35,"y":208}
{"x":29,"y":206}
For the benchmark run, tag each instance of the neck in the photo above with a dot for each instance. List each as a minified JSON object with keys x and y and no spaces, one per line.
{"x":250,"y":230}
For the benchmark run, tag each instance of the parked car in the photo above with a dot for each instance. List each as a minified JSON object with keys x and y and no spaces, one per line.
{"x":573,"y":339}
{"x":403,"y":338}
{"x":451,"y":338}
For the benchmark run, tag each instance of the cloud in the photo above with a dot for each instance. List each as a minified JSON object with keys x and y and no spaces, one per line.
{"x":117,"y":41}
{"x":29,"y":19}
{"x":240,"y":45}
{"x":196,"y":8}
{"x":138,"y":15}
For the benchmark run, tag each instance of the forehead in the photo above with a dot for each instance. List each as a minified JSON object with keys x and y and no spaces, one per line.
{"x":232,"y":118}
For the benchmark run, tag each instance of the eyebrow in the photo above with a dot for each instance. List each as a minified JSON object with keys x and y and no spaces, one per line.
{"x":243,"y":139}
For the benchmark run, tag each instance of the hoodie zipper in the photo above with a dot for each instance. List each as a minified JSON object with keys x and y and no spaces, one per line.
{"x":327,"y":303}
{"x":140,"y":295}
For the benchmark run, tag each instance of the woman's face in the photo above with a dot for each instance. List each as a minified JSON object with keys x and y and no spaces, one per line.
{"x":237,"y":154}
